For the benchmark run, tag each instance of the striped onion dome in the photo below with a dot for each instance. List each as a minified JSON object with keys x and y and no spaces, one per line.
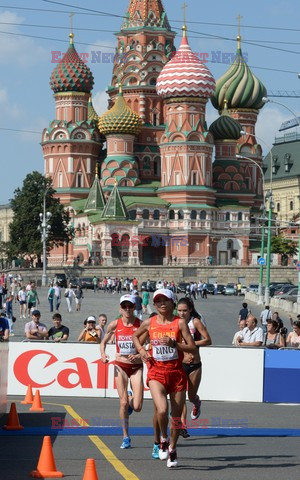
{"x":226,"y":127}
{"x":239,"y":86}
{"x":71,"y":74}
{"x":120,"y":119}
{"x":92,"y":114}
{"x":185,"y":75}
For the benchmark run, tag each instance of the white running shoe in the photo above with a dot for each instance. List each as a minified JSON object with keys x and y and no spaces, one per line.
{"x":172,"y":458}
{"x":163,"y":449}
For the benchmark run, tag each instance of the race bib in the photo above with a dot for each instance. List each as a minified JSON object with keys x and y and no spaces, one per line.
{"x":126,"y":347}
{"x":163,"y":353}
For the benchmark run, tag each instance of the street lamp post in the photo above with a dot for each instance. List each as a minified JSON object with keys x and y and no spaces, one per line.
{"x":268,"y":100}
{"x":269,"y":196}
{"x":45,"y":227}
{"x":262,"y":245}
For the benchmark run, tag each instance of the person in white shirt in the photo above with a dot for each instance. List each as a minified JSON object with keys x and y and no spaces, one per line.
{"x":252,"y":335}
{"x":265,"y":315}
{"x":69,"y":295}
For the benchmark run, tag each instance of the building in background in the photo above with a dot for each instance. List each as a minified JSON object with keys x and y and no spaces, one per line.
{"x":161,"y":197}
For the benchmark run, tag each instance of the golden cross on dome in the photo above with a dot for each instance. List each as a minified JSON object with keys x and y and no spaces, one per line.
{"x":239,"y":18}
{"x":184,"y":7}
{"x":71,"y":35}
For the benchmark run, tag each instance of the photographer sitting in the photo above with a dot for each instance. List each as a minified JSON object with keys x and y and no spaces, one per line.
{"x":273,"y":338}
{"x":89,"y":333}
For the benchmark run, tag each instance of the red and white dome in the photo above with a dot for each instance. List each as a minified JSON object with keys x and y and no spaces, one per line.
{"x":185,"y":75}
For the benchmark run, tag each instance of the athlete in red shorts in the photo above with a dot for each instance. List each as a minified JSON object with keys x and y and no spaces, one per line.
{"x":165,"y":371}
{"x":128,"y":363}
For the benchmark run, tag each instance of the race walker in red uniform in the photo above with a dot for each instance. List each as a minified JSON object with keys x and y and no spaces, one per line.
{"x":166,"y":376}
{"x":128,"y":363}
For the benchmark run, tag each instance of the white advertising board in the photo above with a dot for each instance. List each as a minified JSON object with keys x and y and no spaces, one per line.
{"x":73,"y":369}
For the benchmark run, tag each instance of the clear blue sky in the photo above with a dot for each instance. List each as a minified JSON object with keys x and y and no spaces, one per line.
{"x":26,"y":101}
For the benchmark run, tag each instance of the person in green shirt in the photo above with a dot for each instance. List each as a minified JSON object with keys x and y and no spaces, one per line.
{"x":32,"y":299}
{"x":145,"y":302}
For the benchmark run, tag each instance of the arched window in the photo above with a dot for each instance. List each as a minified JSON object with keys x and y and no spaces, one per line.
{"x":156,"y":215}
{"x":240,"y":216}
{"x":171,"y":215}
{"x":292,"y":205}
{"x":229,"y":245}
{"x":180,"y":215}
{"x":193,"y":215}
{"x":227,"y":216}
{"x":278,"y":207}
{"x":146,"y":214}
{"x":132,"y":214}
{"x":146,"y":163}
{"x":156,"y":166}
{"x":203,"y":215}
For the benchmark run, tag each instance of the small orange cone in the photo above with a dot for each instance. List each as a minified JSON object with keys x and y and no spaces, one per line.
{"x":46,"y":467}
{"x":37,"y":404}
{"x":28,"y":397}
{"x":90,"y":472}
{"x":13,"y":419}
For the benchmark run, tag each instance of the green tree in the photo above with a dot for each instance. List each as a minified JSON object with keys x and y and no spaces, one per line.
{"x":283,"y":245}
{"x":25,"y":229}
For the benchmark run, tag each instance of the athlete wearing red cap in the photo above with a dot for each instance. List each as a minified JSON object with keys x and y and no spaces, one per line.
{"x":165,"y":371}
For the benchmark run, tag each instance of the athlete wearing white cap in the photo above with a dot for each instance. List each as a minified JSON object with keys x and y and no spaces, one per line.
{"x":128,"y":363}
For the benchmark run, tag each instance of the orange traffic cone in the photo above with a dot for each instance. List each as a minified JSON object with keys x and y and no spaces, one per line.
{"x":90,"y":472}
{"x":28,"y":397}
{"x":13,"y":419}
{"x":37,"y":404}
{"x":46,"y":467}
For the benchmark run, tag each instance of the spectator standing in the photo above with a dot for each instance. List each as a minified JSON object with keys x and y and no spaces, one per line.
{"x":32,"y":298}
{"x":138,"y":305}
{"x":204,"y":290}
{"x":50,"y":296}
{"x":216,"y":288}
{"x":265,"y":315}
{"x":78,"y":297}
{"x":252,"y":335}
{"x":57,"y":296}
{"x":35,"y":330}
{"x":69,"y":295}
{"x":244,"y":312}
{"x":135,"y":283}
{"x":145,"y":302}
{"x":95,"y":283}
{"x":4,"y":328}
{"x":200,"y":288}
{"x":58,"y":332}
{"x":22,"y":296}
{"x":9,"y":314}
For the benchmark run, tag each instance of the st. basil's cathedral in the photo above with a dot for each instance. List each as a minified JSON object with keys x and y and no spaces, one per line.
{"x":149,"y":182}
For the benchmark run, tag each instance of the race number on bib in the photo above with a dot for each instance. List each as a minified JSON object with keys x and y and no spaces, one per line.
{"x":126,"y":348}
{"x":163,"y":353}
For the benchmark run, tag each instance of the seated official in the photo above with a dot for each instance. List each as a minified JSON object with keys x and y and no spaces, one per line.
{"x":252,"y":335}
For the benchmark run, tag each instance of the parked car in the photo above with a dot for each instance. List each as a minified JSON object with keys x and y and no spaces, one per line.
{"x":244,"y":290}
{"x":152,"y":287}
{"x":230,"y":289}
{"x":220,"y":289}
{"x":61,"y":280}
{"x":291,"y":295}
{"x":74,"y":282}
{"x":284,"y":289}
{"x":182,"y":287}
{"x":86,"y":282}
{"x":253,"y":287}
{"x":210,"y":288}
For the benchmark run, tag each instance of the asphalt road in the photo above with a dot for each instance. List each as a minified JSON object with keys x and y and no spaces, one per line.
{"x":205,"y":455}
{"x":220,"y":313}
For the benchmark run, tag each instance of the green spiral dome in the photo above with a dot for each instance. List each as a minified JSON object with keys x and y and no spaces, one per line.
{"x":239,"y":86}
{"x":226,"y":128}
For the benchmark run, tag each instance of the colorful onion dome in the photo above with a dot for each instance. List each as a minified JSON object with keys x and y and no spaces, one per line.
{"x":120,"y":119}
{"x":92,"y":114}
{"x":185,"y":75}
{"x":226,"y":127}
{"x":239,"y":86}
{"x":72,"y":74}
